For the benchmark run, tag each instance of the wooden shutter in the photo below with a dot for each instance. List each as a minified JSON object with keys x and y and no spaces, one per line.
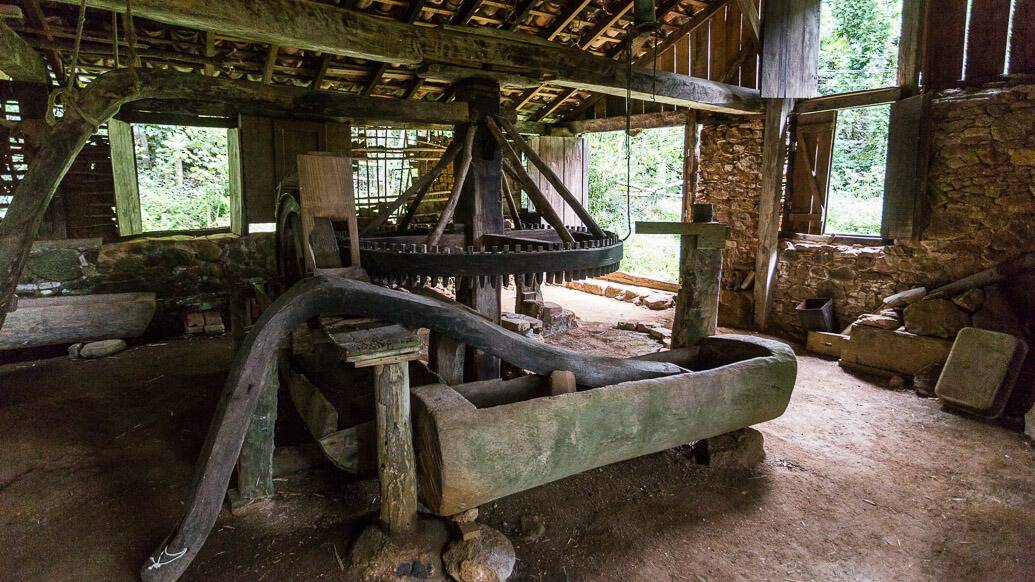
{"x":810,"y":172}
{"x":238,"y":225}
{"x":902,"y":179}
{"x":124,"y":171}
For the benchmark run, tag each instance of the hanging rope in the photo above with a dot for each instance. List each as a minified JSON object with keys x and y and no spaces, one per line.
{"x":628,"y":138}
{"x":75,"y":48}
{"x":628,"y":120}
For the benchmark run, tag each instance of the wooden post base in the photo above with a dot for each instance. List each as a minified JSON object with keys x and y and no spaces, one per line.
{"x":417,"y":555}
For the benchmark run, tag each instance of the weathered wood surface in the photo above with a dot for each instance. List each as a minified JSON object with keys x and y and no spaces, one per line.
{"x":76,"y":318}
{"x":397,"y":470}
{"x":902,"y":178}
{"x":774,"y":159}
{"x":790,"y":53}
{"x":710,"y":235}
{"x":329,"y":29}
{"x":547,"y":172}
{"x":463,"y":167}
{"x":512,"y":166}
{"x":849,"y":100}
{"x":469,"y":456}
{"x":896,"y":352}
{"x":326,"y":191}
{"x":697,"y":303}
{"x":255,"y":464}
{"x":18,"y":59}
{"x":255,"y":364}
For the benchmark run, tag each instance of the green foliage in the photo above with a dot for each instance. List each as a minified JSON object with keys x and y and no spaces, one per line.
{"x":657,"y":186}
{"x":855,"y":199}
{"x":858,"y":50}
{"x":183,"y":177}
{"x":858,"y":44}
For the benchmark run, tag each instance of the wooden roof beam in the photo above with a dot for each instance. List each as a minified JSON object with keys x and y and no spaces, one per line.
{"x":34,"y":17}
{"x":18,"y":60}
{"x":325,"y":28}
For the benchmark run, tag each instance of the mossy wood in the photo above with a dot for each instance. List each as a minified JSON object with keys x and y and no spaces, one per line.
{"x":471,"y":454}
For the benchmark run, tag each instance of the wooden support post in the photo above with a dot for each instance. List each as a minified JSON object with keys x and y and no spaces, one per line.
{"x":255,"y":465}
{"x":396,"y":466}
{"x":481,"y":212}
{"x":446,"y":358}
{"x":774,"y":160}
{"x":700,"y":275}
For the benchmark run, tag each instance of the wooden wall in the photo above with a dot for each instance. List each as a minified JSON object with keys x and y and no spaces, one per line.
{"x":568,"y":158}
{"x":958,"y":52}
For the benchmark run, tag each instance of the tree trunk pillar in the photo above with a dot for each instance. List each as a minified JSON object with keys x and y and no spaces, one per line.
{"x":395,"y":459}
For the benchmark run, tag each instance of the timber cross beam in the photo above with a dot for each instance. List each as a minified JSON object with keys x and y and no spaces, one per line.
{"x":329,"y":29}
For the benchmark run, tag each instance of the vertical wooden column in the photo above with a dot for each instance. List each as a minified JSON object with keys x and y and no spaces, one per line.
{"x":395,"y":458}
{"x":255,"y":464}
{"x":481,"y":212}
{"x":774,"y":160}
{"x":700,"y":276}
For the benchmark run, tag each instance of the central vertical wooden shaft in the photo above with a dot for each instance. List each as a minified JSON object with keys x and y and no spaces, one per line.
{"x":396,"y":467}
{"x":481,"y":212}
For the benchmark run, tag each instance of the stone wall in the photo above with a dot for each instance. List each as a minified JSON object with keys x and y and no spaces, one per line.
{"x":980,"y":191}
{"x":184,"y":272}
{"x":729,"y":177}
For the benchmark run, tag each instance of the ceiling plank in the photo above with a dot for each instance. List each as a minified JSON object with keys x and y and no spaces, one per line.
{"x":696,"y":21}
{"x":325,"y":28}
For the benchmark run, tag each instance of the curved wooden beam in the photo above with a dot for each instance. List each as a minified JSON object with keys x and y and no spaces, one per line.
{"x":255,"y":364}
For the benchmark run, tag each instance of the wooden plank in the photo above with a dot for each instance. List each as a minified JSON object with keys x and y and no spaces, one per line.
{"x":373,"y":342}
{"x":986,"y":39}
{"x":710,"y":234}
{"x":124,"y":172}
{"x":326,"y":191}
{"x":258,"y":163}
{"x":700,"y":58}
{"x":810,"y":172}
{"x":718,"y":45}
{"x":325,"y":28}
{"x":946,"y":23}
{"x":76,"y":318}
{"x":1022,"y":48}
{"x":774,"y":154}
{"x":849,"y":100}
{"x":18,"y":60}
{"x":901,"y":181}
{"x":735,"y":46}
{"x":911,"y":46}
{"x":790,"y":53}
{"x":238,"y":223}
{"x":683,"y":55}
{"x":828,"y":344}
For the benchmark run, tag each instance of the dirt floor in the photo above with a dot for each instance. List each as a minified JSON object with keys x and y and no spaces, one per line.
{"x":860,"y":483}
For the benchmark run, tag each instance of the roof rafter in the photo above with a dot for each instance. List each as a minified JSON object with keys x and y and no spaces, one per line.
{"x":325,"y":28}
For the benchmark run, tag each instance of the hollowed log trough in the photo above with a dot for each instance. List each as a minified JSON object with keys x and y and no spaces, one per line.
{"x":480,"y":442}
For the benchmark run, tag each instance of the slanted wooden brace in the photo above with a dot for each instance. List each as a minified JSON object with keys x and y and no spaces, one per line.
{"x":700,"y":273}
